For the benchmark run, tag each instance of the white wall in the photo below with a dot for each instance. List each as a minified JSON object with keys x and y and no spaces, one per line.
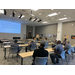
{"x":11,"y":35}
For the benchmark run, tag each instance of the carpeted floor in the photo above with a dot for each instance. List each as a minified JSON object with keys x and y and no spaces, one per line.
{"x":27,"y":60}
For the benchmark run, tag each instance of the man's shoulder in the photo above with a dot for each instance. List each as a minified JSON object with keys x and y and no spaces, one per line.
{"x":36,"y":50}
{"x":45,"y":50}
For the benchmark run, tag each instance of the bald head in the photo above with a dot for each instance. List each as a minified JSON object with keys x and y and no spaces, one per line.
{"x":67,"y":42}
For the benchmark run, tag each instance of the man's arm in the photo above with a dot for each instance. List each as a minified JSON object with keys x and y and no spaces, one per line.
{"x":65,"y":47}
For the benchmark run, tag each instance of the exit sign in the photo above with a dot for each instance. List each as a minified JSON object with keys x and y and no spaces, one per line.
{"x":29,"y":31}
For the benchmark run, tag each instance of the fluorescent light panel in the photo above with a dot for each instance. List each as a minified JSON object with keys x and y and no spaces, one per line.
{"x":53,"y":14}
{"x":33,"y":19}
{"x":44,"y":22}
{"x":32,"y":14}
{"x":1,"y":11}
{"x":62,"y":18}
{"x":23,"y":16}
{"x":34,"y":9}
{"x":37,"y":20}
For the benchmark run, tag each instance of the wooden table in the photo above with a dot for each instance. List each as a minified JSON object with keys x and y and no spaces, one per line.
{"x":21,"y":45}
{"x":73,"y":45}
{"x":27,"y":54}
{"x":39,"y":41}
{"x":4,"y":41}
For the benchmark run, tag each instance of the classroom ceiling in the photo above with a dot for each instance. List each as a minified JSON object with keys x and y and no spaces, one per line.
{"x":40,"y":14}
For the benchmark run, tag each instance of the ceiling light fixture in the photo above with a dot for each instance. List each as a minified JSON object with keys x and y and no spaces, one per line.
{"x":62,"y":18}
{"x":13,"y":14}
{"x":53,"y":14}
{"x":69,"y":17}
{"x":64,"y":15}
{"x":20,"y":16}
{"x":30,"y":18}
{"x":39,"y":13}
{"x":23,"y":16}
{"x":35,"y":19}
{"x":35,"y":9}
{"x":44,"y":22}
{"x":39,"y":20}
{"x":59,"y":12}
{"x":1,"y":11}
{"x":4,"y":12}
{"x":52,"y":9}
{"x":32,"y":15}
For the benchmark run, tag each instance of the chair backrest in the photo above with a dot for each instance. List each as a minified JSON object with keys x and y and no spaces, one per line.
{"x":41,"y":60}
{"x":26,"y":42}
{"x":13,"y":50}
{"x":42,"y":41}
{"x":69,"y":51}
{"x":73,"y":49}
{"x":33,"y":47}
{"x":63,"y":55}
{"x":46,"y":45}
{"x":36,"y":41}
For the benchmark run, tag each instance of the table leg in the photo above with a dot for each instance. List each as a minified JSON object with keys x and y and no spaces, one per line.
{"x":21,"y":61}
{"x":5,"y":53}
{"x":1,"y":45}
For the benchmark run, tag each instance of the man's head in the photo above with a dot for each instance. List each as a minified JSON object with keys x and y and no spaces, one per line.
{"x":67,"y":42}
{"x":42,"y":45}
{"x":33,"y":38}
{"x":15,"y":41}
{"x":32,"y":41}
{"x":55,"y":40}
{"x":58,"y":42}
{"x":45,"y":38}
{"x":65,"y":39}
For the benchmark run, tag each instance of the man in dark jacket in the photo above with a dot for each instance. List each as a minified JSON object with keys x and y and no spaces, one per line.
{"x":41,"y":52}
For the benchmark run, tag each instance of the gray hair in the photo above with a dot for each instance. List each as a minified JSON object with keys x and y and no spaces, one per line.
{"x":68,"y":42}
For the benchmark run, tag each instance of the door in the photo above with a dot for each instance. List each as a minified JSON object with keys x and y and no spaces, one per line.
{"x":29,"y":35}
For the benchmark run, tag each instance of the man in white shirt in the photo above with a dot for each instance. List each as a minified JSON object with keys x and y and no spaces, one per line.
{"x":37,"y":37}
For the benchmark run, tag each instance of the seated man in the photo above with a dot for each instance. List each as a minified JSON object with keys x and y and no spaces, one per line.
{"x":37,"y":37}
{"x":67,"y":46}
{"x":16,"y":45}
{"x":57,"y":51}
{"x":46,"y":42}
{"x":29,"y":45}
{"x":41,"y":52}
{"x":34,"y":39}
{"x":64,"y":42}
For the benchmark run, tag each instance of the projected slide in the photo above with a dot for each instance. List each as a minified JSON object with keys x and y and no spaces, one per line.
{"x":10,"y":27}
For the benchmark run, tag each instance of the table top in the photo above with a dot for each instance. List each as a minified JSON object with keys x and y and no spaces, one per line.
{"x":6,"y":42}
{"x":27,"y":54}
{"x":73,"y":45}
{"x":7,"y":46}
{"x":51,"y":43}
